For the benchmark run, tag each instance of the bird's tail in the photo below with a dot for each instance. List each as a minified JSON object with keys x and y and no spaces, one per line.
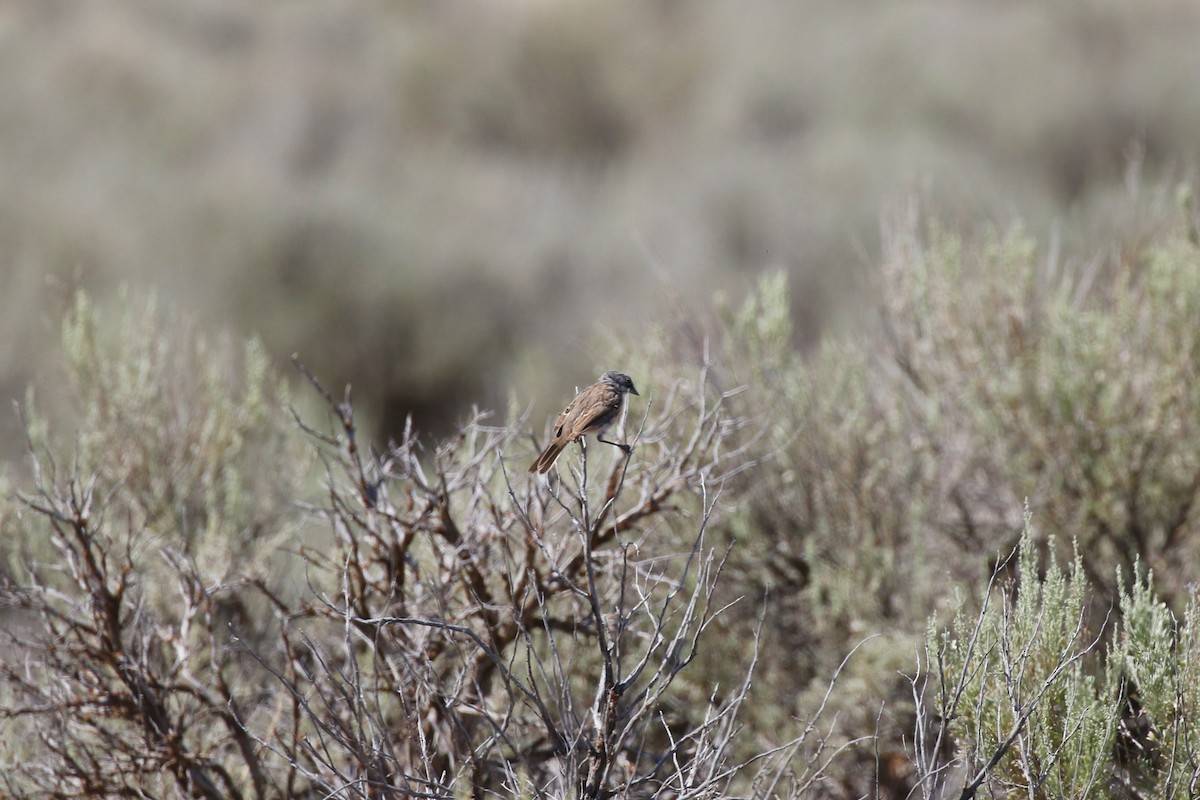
{"x":546,"y":460}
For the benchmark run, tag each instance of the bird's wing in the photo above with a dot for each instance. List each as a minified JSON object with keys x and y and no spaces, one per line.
{"x":564,"y":416}
{"x":596,"y":413}
{"x":612,"y":404}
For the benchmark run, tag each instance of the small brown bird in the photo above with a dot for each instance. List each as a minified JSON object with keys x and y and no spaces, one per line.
{"x":592,"y":411}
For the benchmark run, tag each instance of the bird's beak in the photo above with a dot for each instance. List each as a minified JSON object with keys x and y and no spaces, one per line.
{"x":633,"y":390}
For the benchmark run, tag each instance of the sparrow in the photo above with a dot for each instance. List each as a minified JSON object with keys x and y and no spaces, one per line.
{"x":592,"y":411}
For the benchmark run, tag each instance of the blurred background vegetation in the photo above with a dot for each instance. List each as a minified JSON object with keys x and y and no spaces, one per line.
{"x":444,"y":201}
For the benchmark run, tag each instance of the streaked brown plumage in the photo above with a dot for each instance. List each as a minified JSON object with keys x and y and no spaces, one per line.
{"x":592,"y":411}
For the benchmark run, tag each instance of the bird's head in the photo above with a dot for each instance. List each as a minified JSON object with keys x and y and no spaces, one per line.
{"x":619,"y":381}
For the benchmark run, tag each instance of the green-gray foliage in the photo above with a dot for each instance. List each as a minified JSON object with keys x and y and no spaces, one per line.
{"x":897,"y":460}
{"x":870,"y":480}
{"x":188,"y":428}
{"x":143,"y":534}
{"x":1031,"y":699}
{"x":1015,"y":681}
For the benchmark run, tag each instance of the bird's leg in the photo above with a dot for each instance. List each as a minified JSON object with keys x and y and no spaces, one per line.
{"x":626,"y":449}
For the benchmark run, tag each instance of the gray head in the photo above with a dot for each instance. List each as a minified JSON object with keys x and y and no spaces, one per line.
{"x":619,"y":381}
